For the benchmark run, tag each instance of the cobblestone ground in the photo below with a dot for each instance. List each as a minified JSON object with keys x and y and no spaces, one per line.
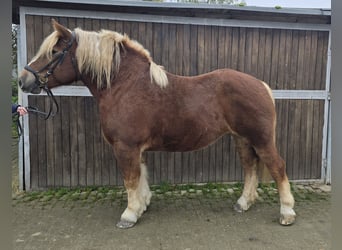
{"x":187,"y":218}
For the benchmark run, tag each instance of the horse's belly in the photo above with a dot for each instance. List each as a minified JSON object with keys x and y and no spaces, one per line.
{"x":193,"y":140}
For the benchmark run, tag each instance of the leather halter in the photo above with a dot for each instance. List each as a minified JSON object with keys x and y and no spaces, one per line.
{"x":42,"y":80}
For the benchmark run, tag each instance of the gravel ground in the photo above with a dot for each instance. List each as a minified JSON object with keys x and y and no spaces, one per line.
{"x":191,"y":220}
{"x":185,"y":218}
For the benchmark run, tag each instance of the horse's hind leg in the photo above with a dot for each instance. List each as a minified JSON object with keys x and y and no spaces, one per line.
{"x":134,"y":173}
{"x":249,"y":161}
{"x":276,"y":165}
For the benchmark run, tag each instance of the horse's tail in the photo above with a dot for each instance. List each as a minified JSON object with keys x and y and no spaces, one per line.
{"x":269,"y":90}
{"x":263,"y":171}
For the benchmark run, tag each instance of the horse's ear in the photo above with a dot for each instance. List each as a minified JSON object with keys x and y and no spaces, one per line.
{"x":63,"y":32}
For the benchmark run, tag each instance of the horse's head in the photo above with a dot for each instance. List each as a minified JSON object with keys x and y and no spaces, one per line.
{"x":54,"y":64}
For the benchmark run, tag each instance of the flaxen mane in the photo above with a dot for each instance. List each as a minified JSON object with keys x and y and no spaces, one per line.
{"x":98,"y":53}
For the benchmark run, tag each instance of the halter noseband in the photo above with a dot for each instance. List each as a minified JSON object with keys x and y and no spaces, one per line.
{"x":41,"y":81}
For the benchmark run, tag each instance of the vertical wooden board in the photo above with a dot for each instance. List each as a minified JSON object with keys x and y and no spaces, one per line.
{"x":47,"y":27}
{"x":50,"y":153}
{"x":149,"y":157}
{"x":157,"y":167}
{"x":71,"y":23}
{"x":297,"y":145}
{"x":193,"y":50}
{"x":312,"y":60}
{"x":171,"y":167}
{"x":178,"y":168}
{"x":281,"y":67}
{"x":303,"y":138}
{"x":186,"y":60}
{"x":235,"y":166}
{"x":65,"y":135}
{"x":290,"y":147}
{"x":127,"y":28}
{"x":225,"y":157}
{"x":212,"y":163}
{"x":30,"y":38}
{"x":242,"y":49}
{"x":33,"y":125}
{"x":324,"y":59}
{"x":104,"y":24}
{"x":309,"y":139}
{"x":225,"y":43}
{"x":134,"y":32}
{"x":74,"y":147}
{"x":317,"y":142}
{"x":97,"y":145}
{"x":105,"y":165}
{"x":165,"y":46}
{"x":89,"y":140}
{"x":172,"y":49}
{"x":81,"y":141}
{"x":119,"y":27}
{"x":268,"y":57}
{"x":141,"y":35}
{"x":88,"y":24}
{"x":283,"y":121}
{"x":234,"y":52}
{"x":205,"y":164}
{"x":112,"y":25}
{"x":200,"y":50}
{"x":219,"y":161}
{"x":157,"y":42}
{"x":282,"y":127}
{"x":294,"y":60}
{"x":80,"y":23}
{"x":179,"y":50}
{"x":307,"y":63}
{"x":207,"y":48}
{"x":213,"y":49}
{"x":256,"y":50}
{"x":58,"y":147}
{"x":287,"y":59}
{"x":274,"y":59}
{"x":38,"y":31}
{"x":320,"y":67}
{"x":163,"y":166}
{"x":301,"y":56}
{"x":185,"y":167}
{"x":96,"y":25}
{"x":260,"y":62}
{"x":199,"y":166}
{"x":192,"y":167}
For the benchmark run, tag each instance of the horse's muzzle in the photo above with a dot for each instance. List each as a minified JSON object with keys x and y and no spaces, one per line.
{"x":29,"y":88}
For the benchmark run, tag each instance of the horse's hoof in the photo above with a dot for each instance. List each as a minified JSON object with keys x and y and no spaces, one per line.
{"x":238,"y":208}
{"x":287,"y":220}
{"x":124,"y":224}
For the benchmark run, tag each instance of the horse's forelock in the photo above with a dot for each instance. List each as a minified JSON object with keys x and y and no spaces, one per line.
{"x":46,"y":47}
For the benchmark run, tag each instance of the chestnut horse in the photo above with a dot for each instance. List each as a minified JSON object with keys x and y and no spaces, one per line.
{"x":143,"y":107}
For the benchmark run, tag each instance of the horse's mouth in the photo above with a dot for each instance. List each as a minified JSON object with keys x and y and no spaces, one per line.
{"x":33,"y":89}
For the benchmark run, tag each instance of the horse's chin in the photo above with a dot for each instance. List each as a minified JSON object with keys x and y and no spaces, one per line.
{"x":36,"y":90}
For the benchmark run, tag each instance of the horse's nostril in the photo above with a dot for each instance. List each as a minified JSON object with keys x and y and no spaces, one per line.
{"x":20,"y":83}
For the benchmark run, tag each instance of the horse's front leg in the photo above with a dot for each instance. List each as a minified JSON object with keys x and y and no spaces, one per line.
{"x":135,"y":179}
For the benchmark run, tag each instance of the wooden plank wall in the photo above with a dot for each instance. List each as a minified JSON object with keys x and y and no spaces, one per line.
{"x":69,"y":150}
